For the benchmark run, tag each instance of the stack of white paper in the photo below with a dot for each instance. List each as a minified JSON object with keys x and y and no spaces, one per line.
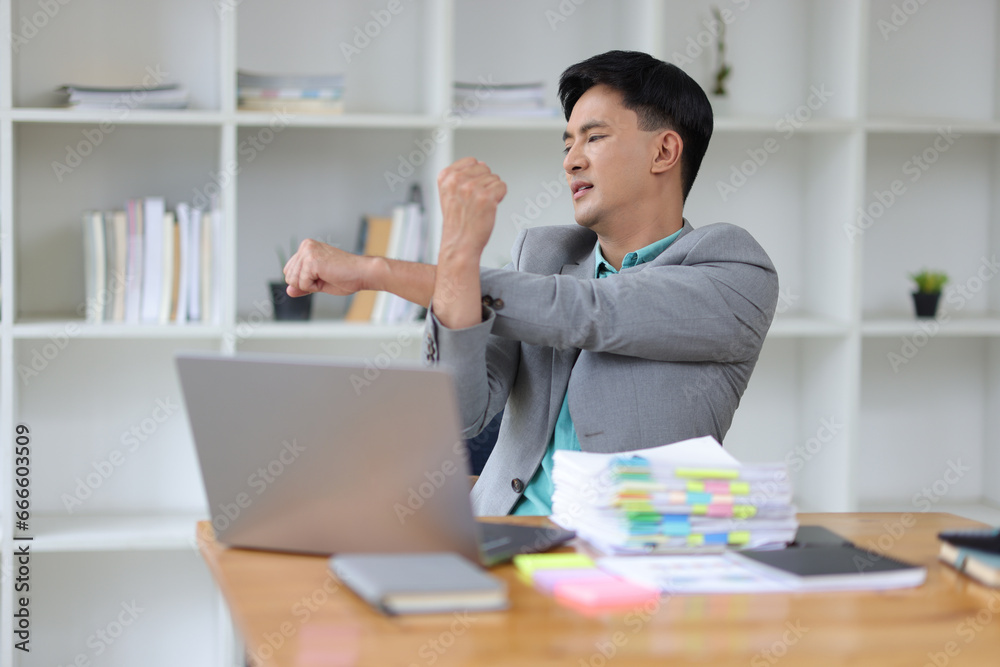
{"x":678,"y":496}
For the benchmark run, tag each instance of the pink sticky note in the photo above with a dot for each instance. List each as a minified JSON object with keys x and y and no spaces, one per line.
{"x":547,"y":580}
{"x":604,"y":593}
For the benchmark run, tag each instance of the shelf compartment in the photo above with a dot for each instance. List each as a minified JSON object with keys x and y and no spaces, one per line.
{"x":296,"y":187}
{"x":362,"y":40}
{"x":925,"y":408}
{"x":796,"y":410}
{"x":388,"y":121}
{"x":793,"y":194}
{"x":948,"y":48}
{"x":807,"y":327}
{"x":930,"y":201}
{"x":178,"y":163}
{"x":121,"y":439}
{"x":98,"y":34}
{"x":112,"y":608}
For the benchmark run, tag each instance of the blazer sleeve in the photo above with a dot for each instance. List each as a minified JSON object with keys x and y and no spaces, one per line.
{"x":484,"y":366}
{"x":716,"y":305}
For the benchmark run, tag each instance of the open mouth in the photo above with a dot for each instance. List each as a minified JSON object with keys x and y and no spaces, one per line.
{"x":579,"y":188}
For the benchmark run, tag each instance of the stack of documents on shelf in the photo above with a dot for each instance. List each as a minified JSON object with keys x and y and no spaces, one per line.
{"x":163,"y":96}
{"x":310,"y":93}
{"x":690,"y":494}
{"x":148,"y":265}
{"x":511,"y":100}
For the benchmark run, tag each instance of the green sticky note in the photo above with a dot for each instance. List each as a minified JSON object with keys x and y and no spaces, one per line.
{"x":526,"y":564}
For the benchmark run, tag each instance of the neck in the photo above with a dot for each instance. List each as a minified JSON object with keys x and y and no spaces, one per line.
{"x":629,"y":236}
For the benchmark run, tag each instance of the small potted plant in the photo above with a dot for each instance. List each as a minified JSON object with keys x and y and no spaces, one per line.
{"x":287,"y":308}
{"x":929,"y":284}
{"x":720,"y":95}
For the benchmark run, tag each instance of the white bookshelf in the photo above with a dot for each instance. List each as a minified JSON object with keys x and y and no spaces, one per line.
{"x":868,"y":433}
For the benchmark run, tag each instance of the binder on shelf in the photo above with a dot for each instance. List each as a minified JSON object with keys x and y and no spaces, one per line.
{"x":94,"y":265}
{"x":133,"y":277}
{"x":152,"y":216}
{"x":374,"y":242}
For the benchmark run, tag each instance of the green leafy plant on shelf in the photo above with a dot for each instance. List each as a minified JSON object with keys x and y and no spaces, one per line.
{"x":723,"y":69}
{"x":929,"y":282}
{"x":928,"y":294}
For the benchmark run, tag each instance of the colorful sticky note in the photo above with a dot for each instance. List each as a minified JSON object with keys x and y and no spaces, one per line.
{"x":527,"y":564}
{"x":604,"y":593}
{"x":546,"y":580}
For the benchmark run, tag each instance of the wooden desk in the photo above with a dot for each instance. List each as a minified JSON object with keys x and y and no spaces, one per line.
{"x":291,"y":611}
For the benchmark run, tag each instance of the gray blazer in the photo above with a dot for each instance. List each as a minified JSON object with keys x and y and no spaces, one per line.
{"x":659,"y":353}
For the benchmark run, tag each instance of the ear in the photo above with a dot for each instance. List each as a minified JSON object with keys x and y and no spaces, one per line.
{"x":668,"y":146}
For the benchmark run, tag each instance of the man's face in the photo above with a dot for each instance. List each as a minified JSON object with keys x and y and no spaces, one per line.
{"x":607,"y":161}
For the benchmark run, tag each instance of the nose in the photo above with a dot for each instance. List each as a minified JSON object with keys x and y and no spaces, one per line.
{"x":574,"y":160}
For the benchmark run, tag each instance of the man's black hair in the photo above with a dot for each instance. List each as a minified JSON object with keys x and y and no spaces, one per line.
{"x":661,"y":94}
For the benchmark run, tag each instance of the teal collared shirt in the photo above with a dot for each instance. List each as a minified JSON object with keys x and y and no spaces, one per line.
{"x":537,"y":498}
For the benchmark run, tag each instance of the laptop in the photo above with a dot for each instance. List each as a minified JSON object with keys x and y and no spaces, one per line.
{"x":320,"y":455}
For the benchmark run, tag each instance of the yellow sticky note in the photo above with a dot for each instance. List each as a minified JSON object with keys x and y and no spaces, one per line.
{"x":526,"y":564}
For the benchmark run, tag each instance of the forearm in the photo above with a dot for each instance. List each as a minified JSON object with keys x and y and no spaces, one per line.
{"x":412,"y":281}
{"x":457,"y":296}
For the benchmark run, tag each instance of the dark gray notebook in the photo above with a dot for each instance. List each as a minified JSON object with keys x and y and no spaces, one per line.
{"x":420,"y":582}
{"x":836,"y":567}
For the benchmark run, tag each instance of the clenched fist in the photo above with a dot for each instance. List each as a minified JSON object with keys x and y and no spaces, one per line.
{"x":319,"y":267}
{"x":469,"y":194}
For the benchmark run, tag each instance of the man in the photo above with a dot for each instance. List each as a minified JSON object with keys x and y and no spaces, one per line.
{"x":630,"y":329}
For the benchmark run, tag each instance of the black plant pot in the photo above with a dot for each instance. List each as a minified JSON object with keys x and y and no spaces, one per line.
{"x":289,"y":308}
{"x":926,"y":303}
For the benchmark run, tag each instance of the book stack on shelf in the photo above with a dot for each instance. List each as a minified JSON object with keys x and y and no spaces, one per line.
{"x":147,"y":265}
{"x":674,"y":497}
{"x":309,"y":93}
{"x":401,"y":236}
{"x":519,"y":100}
{"x":163,"y":96}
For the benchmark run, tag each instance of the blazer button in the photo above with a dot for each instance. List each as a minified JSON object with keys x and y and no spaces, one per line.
{"x":487,"y":300}
{"x":497,"y":304}
{"x":517,"y":485}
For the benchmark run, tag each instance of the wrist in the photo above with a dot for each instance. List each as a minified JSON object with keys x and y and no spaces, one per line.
{"x":374,"y":273}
